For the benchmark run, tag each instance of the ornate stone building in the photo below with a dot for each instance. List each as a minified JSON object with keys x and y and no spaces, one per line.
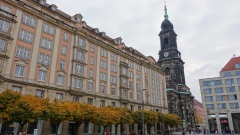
{"x":178,"y":93}
{"x":50,"y":54}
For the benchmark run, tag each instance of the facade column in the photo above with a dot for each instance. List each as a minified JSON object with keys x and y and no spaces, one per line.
{"x":39,"y":126}
{"x":230,"y":121}
{"x":35,"y":50}
{"x":218,"y":123}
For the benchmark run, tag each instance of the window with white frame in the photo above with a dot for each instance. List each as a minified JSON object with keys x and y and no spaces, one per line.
{"x":23,"y":53}
{"x":44,"y":59}
{"x":78,"y":83}
{"x":125,"y":82}
{"x":79,"y":69}
{"x":2,"y":45}
{"x":17,"y":89}
{"x":60,"y":80}
{"x":131,"y":95}
{"x":47,"y":43}
{"x":103,"y":64}
{"x":47,"y":28}
{"x":62,"y":64}
{"x":130,"y":74}
{"x":92,"y":60}
{"x":113,"y":79}
{"x":138,"y":86}
{"x":82,"y":42}
{"x":102,"y":103}
{"x":103,"y":77}
{"x":19,"y":70}
{"x":42,"y":75}
{"x":6,"y":8}
{"x":125,"y":71}
{"x":29,"y":20}
{"x":64,"y":50}
{"x":75,"y":98}
{"x":26,"y":36}
{"x":130,"y":85}
{"x":59,"y":96}
{"x":92,"y":48}
{"x":113,"y":68}
{"x":4,"y":25}
{"x":138,"y":67}
{"x":130,"y":64}
{"x":124,"y":93}
{"x":91,"y":73}
{"x":113,"y":57}
{"x":229,"y":81}
{"x":90,"y":86}
{"x":113,"y":91}
{"x":104,"y":53}
{"x":138,"y":96}
{"x":65,"y":36}
{"x":90,"y":101}
{"x":102,"y":89}
{"x":138,"y":77}
{"x":80,"y":55}
{"x":40,"y":93}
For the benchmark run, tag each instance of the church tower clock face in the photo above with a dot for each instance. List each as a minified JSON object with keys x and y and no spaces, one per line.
{"x":166,"y":54}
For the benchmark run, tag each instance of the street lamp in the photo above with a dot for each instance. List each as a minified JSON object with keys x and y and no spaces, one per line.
{"x":143,"y":112}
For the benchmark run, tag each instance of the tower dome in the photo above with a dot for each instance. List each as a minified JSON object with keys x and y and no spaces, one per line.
{"x":166,"y":24}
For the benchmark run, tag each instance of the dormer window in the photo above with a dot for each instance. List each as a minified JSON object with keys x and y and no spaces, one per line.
{"x":237,"y":65}
{"x":78,"y":18}
{"x":53,"y":7}
{"x":102,"y":34}
{"x":96,"y":30}
{"x":41,"y":2}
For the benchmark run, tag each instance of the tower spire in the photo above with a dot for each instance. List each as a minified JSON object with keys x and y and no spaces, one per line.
{"x":165,"y":8}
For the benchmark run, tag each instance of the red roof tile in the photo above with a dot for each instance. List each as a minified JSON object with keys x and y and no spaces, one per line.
{"x":231,"y":64}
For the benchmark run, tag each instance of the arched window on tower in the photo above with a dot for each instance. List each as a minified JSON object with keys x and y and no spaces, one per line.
{"x":166,"y":41}
{"x":167,"y":72}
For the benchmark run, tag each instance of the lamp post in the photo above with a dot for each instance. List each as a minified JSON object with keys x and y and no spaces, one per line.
{"x":143,"y":113}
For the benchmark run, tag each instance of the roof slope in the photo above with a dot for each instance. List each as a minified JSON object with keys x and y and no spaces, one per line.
{"x":231,"y":64}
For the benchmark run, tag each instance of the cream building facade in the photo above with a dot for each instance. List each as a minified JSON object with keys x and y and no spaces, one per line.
{"x":45,"y":52}
{"x":221,"y":98}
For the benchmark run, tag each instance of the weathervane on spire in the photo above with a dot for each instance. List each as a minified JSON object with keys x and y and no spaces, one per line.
{"x":165,"y":15}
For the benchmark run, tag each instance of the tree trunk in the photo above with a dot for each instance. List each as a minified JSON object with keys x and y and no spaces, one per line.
{"x":21,"y":127}
{"x":76,"y":126}
{"x":55,"y":125}
{"x":116,"y":126}
{"x":103,"y":130}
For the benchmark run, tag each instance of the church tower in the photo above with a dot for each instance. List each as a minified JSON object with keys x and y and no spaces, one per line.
{"x":169,"y":56}
{"x":179,"y":96}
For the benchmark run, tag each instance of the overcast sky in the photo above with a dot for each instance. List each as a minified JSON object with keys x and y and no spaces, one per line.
{"x":208,"y":30}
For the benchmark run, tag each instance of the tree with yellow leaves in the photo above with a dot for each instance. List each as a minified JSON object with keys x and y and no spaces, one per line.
{"x":106,"y":116}
{"x":198,"y":118}
{"x":171,"y":119}
{"x":20,"y":109}
{"x":151,"y":119}
{"x":125,"y":117}
{"x":82,"y":113}
{"x":56,"y":112}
